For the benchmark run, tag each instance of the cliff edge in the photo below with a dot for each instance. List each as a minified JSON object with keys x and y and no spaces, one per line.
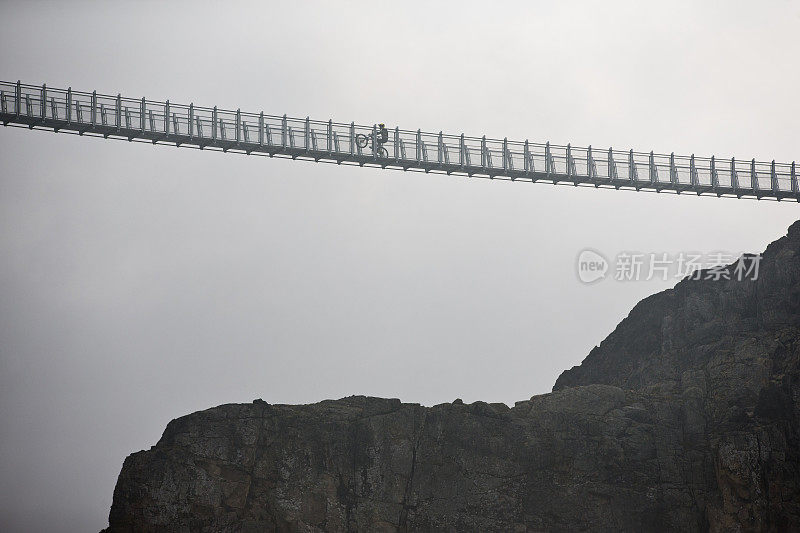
{"x":687,"y":417}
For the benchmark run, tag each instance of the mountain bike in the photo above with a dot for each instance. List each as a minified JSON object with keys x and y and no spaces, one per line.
{"x":363,"y":140}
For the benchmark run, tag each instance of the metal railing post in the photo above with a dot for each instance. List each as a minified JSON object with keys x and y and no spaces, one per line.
{"x":548,"y":159}
{"x":592,"y":167}
{"x":69,"y":105}
{"x":589,"y":163}
{"x":352,"y":138}
{"x":142,"y":111}
{"x":214,"y":124}
{"x":526,"y":155}
{"x":18,"y":98}
{"x":261,"y":129}
{"x":693,"y":177}
{"x":612,"y":166}
{"x":714,"y":177}
{"x":118,"y":111}
{"x":632,"y":174}
{"x":462,"y":148}
{"x":795,"y":186}
{"x":570,"y":165}
{"x":734,"y":177}
{"x":753,"y":176}
{"x":419,"y":145}
{"x":505,"y":152}
{"x":190,"y":118}
{"x":43,"y":110}
{"x":307,"y":134}
{"x":166,"y":117}
{"x":484,"y":149}
{"x":774,"y":178}
{"x":330,"y":136}
{"x":94,"y":109}
{"x":397,"y":143}
{"x":654,"y":172}
{"x":238,"y":125}
{"x":673,"y":170}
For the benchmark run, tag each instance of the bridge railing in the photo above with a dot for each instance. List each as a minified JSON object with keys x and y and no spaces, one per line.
{"x":227,"y":129}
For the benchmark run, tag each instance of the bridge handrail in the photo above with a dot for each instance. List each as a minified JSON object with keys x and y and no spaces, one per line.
{"x":428,"y":150}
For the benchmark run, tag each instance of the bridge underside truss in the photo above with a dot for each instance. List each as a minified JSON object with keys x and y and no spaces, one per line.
{"x":42,"y":107}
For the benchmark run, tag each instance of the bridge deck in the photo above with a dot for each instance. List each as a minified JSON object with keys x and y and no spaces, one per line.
{"x":94,"y":114}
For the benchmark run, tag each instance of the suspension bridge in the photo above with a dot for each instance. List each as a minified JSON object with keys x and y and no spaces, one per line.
{"x":143,"y":120}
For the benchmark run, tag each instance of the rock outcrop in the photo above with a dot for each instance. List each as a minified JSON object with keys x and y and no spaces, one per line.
{"x":687,"y":417}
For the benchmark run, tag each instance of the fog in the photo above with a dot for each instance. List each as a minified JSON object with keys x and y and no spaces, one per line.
{"x":140,"y":283}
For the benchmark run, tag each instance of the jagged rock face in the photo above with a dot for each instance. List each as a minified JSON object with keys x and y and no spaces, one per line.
{"x":683,"y":328}
{"x":687,"y":417}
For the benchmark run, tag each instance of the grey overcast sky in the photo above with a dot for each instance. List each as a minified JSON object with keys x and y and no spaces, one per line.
{"x":142,"y":283}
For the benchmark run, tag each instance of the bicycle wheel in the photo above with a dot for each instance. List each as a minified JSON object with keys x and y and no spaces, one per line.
{"x":362,"y":140}
{"x":383,"y":153}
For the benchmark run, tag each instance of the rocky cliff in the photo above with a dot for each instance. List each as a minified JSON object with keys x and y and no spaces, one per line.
{"x":687,"y":417}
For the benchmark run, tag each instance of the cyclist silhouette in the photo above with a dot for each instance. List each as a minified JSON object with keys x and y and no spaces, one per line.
{"x":377,"y":140}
